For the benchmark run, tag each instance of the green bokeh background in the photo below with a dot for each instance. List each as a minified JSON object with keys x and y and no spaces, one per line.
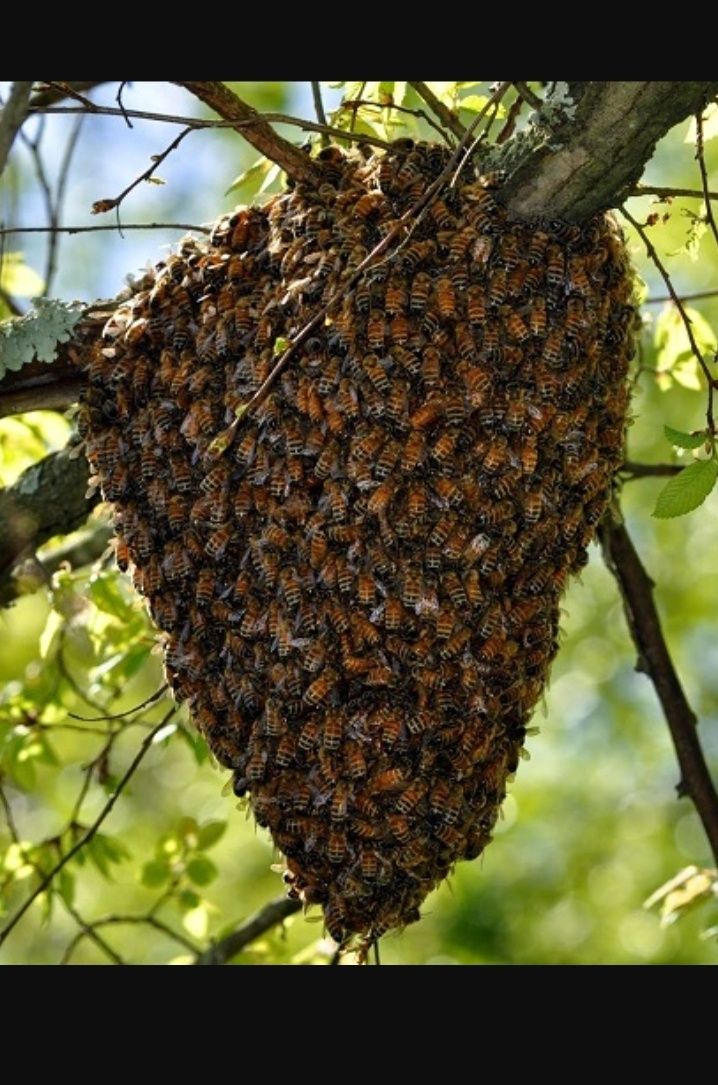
{"x":591,"y":826}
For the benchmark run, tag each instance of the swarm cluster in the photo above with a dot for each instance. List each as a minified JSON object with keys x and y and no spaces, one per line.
{"x":359,"y":580}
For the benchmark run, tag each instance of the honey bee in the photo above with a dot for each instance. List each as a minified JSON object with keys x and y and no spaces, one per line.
{"x":321,"y":688}
{"x":366,"y":589}
{"x":578,"y":280}
{"x":445,"y":296}
{"x":472,"y":585}
{"x":376,"y":330}
{"x":443,"y":448}
{"x":553,"y":347}
{"x":497,"y":287}
{"x":335,"y":501}
{"x":441,"y":214}
{"x":516,"y":328}
{"x":555,"y":265}
{"x":419,"y":294}
{"x":417,"y":253}
{"x":426,"y":415}
{"x":574,"y":317}
{"x":411,"y":796}
{"x":400,"y":329}
{"x":412,"y":585}
{"x":367,"y":445}
{"x":354,"y":760}
{"x":395,"y":297}
{"x":333,"y":730}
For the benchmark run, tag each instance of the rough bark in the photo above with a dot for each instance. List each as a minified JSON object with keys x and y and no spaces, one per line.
{"x":598,"y":153}
{"x":48,"y":499}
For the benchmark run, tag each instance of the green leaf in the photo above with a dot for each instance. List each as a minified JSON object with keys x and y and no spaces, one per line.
{"x":155,"y":873}
{"x":201,"y":870}
{"x":686,"y":491}
{"x":16,"y":278}
{"x":106,"y":594}
{"x":210,"y":833}
{"x":66,"y":886}
{"x":188,"y":899}
{"x":684,"y":440}
{"x":251,"y":178}
{"x":34,"y":337}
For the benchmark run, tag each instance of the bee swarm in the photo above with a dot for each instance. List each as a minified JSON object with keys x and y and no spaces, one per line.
{"x":360,"y":590}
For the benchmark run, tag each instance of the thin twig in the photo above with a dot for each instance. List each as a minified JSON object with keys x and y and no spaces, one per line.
{"x":654,"y":660}
{"x":91,"y":229}
{"x":649,"y":470}
{"x":266,"y":918}
{"x":54,"y":245}
{"x":121,"y":715}
{"x":101,"y":206}
{"x":511,"y":120}
{"x":662,"y":190}
{"x":653,"y":255}
{"x":200,"y":123}
{"x":704,"y":173}
{"x":701,"y":294}
{"x":120,"y":103}
{"x":447,"y":116}
{"x":525,"y":92}
{"x":87,"y":930}
{"x":51,"y":93}
{"x":123,"y":920}
{"x":79,"y":845}
{"x":319,"y":109}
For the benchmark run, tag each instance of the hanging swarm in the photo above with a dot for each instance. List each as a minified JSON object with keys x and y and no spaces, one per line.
{"x":359,"y":588}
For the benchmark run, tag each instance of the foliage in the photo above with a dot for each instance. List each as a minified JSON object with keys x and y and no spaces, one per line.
{"x":591,"y":827}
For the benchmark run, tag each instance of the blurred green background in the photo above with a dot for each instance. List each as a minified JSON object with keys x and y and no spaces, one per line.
{"x":591,"y":826}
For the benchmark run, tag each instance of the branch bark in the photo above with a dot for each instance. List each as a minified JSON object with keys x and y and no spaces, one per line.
{"x":596,"y":154}
{"x":255,"y":130}
{"x":636,"y":588}
{"x":48,"y":499}
{"x":12,"y":116}
{"x":27,"y":576}
{"x":266,"y":918}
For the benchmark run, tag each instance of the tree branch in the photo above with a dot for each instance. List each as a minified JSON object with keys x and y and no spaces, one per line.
{"x":48,"y":499}
{"x":636,"y":589}
{"x":266,"y":918}
{"x":12,"y":116}
{"x":595,"y":154}
{"x":256,"y":131}
{"x":445,"y":115}
{"x":27,"y":576}
{"x":51,"y":93}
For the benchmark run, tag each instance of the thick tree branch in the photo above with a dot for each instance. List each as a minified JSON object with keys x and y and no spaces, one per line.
{"x":654,"y":660}
{"x":12,"y":116}
{"x":27,"y":576}
{"x":596,"y":153}
{"x":445,"y":115}
{"x":256,"y":131}
{"x":48,"y":499}
{"x":266,"y":918}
